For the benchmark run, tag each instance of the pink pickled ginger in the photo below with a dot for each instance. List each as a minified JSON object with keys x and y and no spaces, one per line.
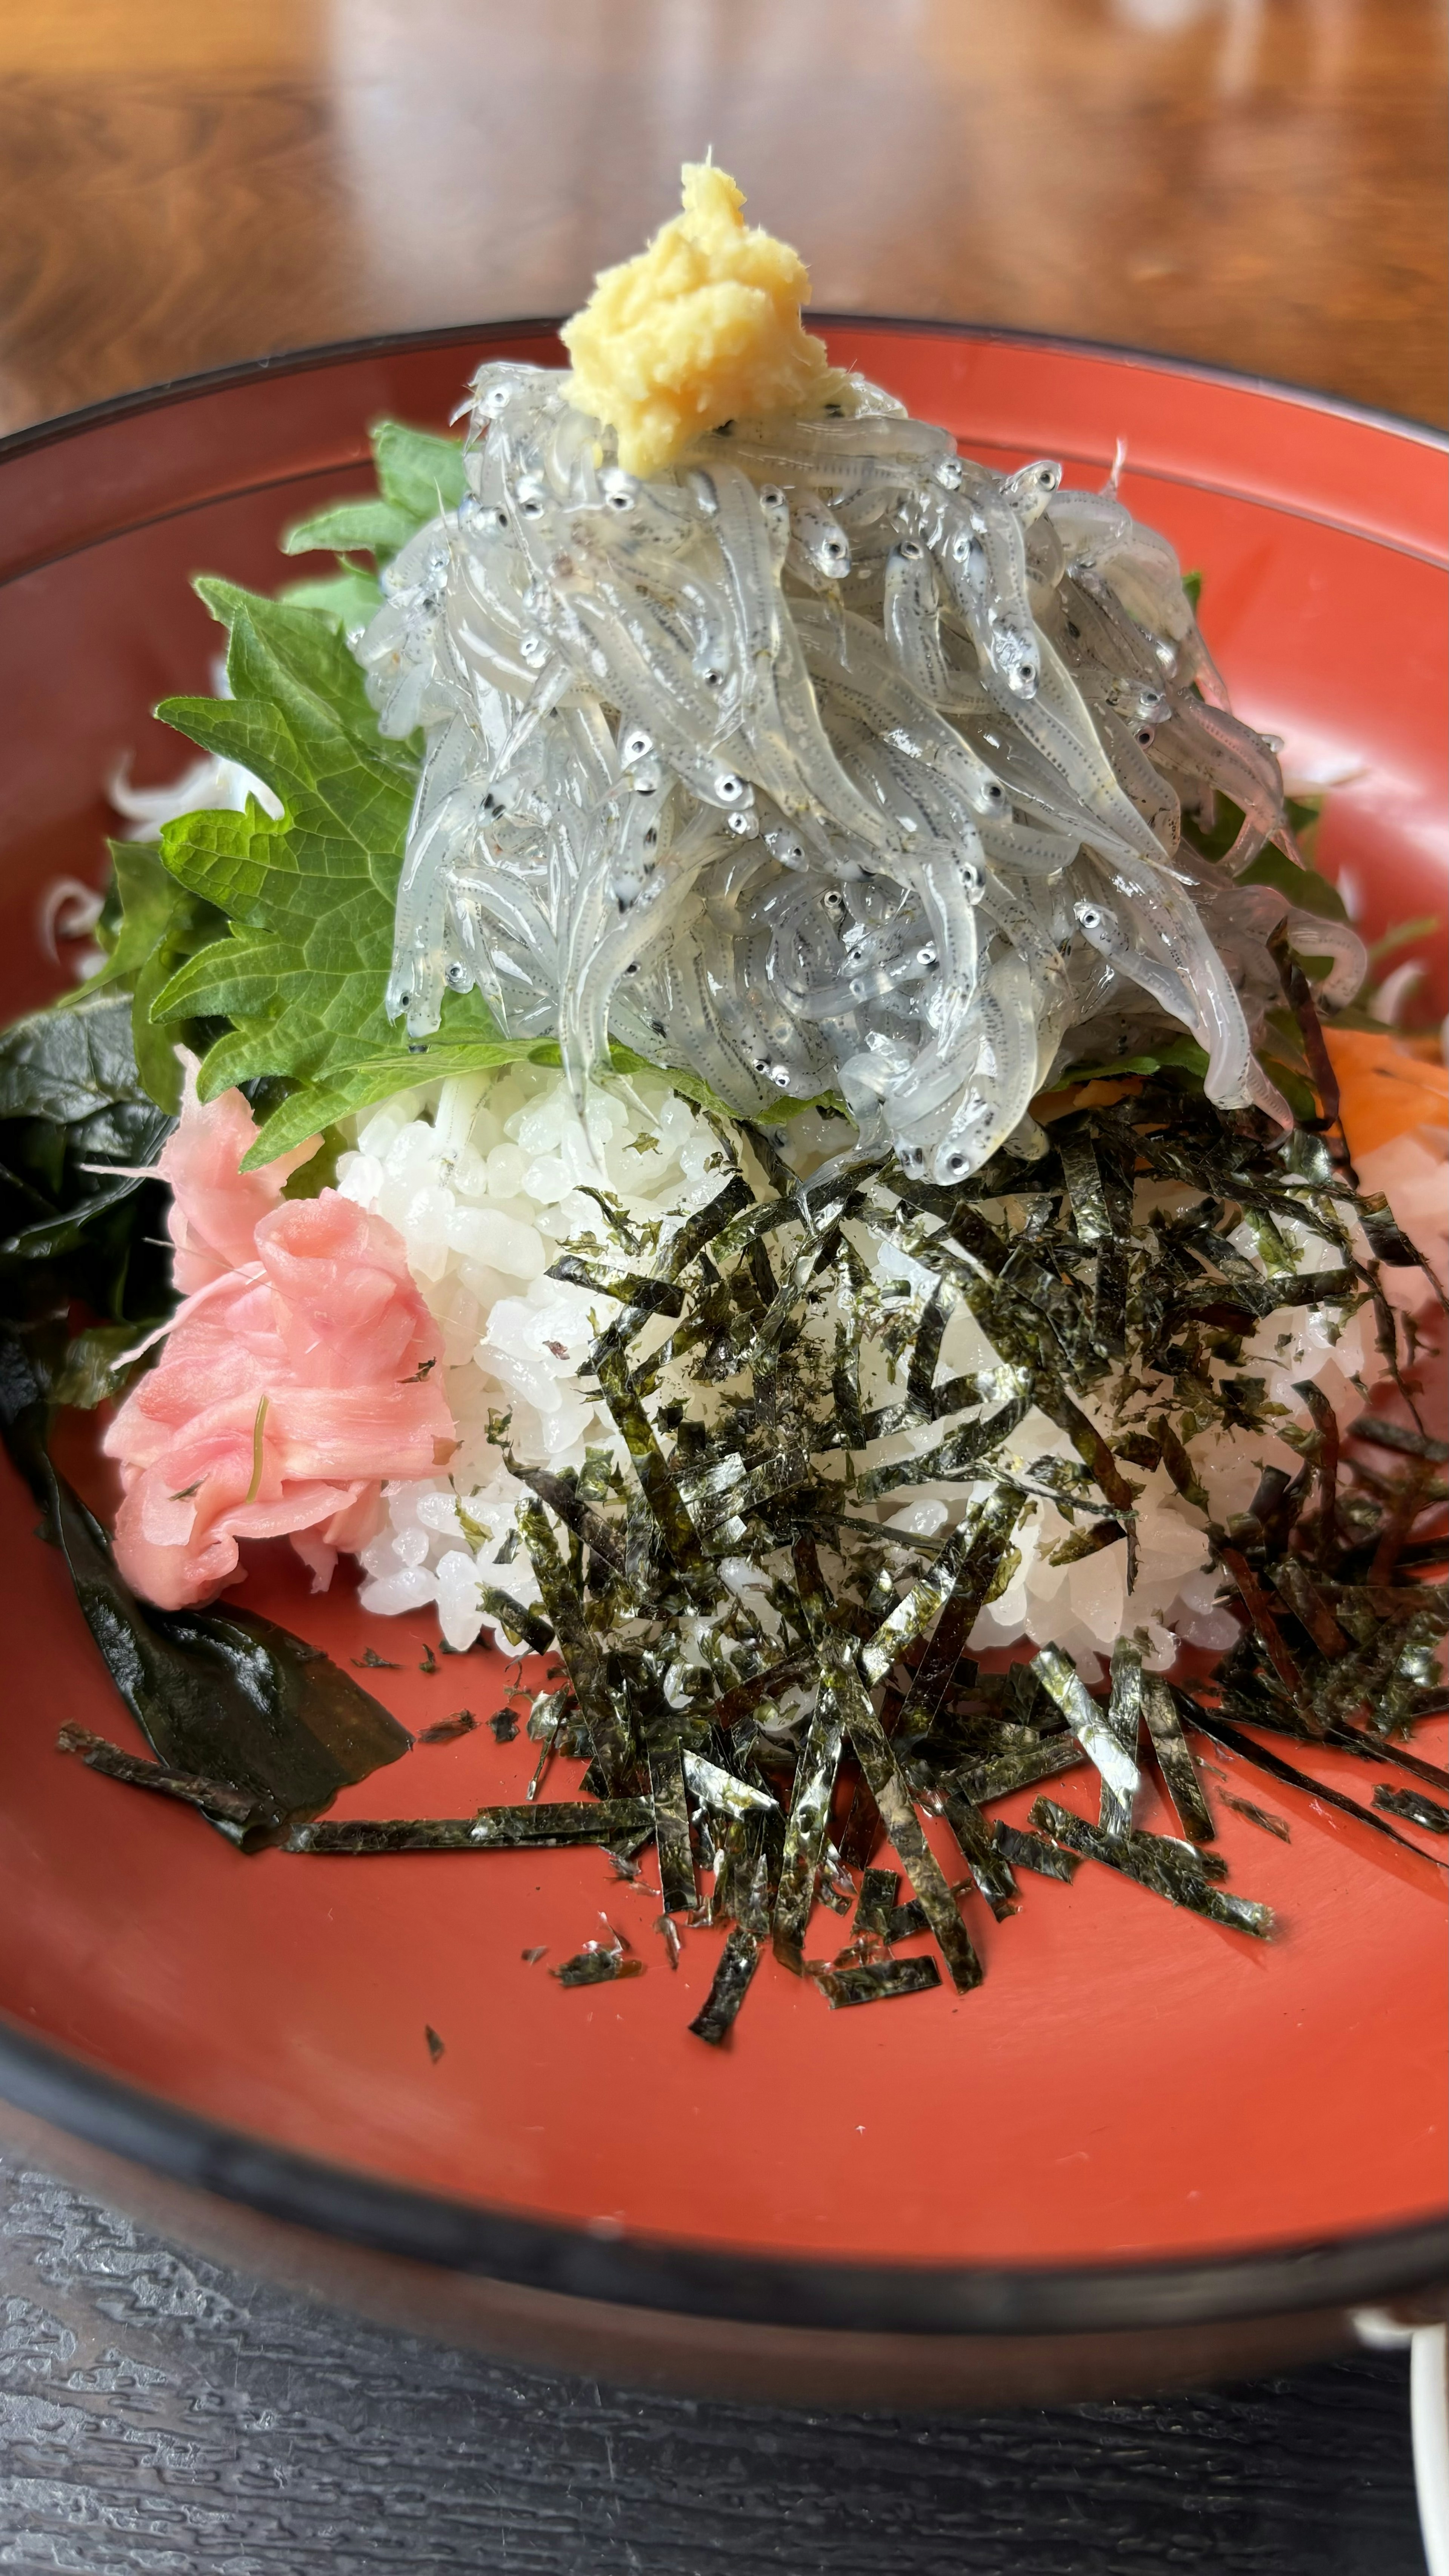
{"x":299,"y":1374}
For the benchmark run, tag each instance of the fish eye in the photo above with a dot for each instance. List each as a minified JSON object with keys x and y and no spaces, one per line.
{"x":911,"y":550}
{"x":729,"y":787}
{"x":637,"y":745}
{"x":457,"y":976}
{"x":771,"y":495}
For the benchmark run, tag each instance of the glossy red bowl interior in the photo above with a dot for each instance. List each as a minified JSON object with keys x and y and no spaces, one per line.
{"x":1129,"y":2087}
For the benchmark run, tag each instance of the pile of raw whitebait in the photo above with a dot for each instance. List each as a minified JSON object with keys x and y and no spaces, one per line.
{"x":824,"y":760}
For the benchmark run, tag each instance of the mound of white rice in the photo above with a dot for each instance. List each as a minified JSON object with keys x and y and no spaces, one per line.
{"x":487,"y":1179}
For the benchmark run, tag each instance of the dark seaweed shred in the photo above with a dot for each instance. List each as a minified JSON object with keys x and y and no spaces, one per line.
{"x":1413,"y":1806}
{"x":878,"y":1981}
{"x":783,"y":1744}
{"x":596,"y":1965}
{"x":737,"y":1964}
{"x":447,"y":1730}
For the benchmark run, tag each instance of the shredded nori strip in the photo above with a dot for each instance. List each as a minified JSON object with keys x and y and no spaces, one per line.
{"x":805,"y":1827}
{"x":881,"y":1981}
{"x":877,"y":1902}
{"x":521,"y":1627}
{"x":1034,"y":1851}
{"x":989,"y":1536}
{"x":1232,"y":1737}
{"x":1175,"y":1762}
{"x":1382,"y":1432}
{"x":786,"y":1725}
{"x":599,"y":1967}
{"x":237,"y":1815}
{"x":1268,"y":1824}
{"x":738,"y":1961}
{"x":1124,"y":1716}
{"x":1088,"y":1723}
{"x":1000,"y":1773}
{"x":983,"y":1855}
{"x":549,"y":1828}
{"x":1166,"y":1869}
{"x":1413,"y":1806}
{"x":901,"y":1822}
{"x":678,"y":1885}
{"x":577,"y":1646}
{"x":645,"y":1296}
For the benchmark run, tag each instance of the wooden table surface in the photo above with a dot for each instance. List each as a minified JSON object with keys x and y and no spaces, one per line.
{"x":1259,"y":182}
{"x":160,"y":2416}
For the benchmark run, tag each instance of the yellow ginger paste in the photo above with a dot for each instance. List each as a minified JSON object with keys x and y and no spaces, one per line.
{"x":703,"y":326}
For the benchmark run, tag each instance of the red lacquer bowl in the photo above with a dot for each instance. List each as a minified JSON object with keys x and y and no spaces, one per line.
{"x":1145,"y":2148}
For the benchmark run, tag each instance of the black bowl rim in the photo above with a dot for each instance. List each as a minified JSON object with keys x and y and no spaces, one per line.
{"x":747,"y":2286}
{"x":382,"y":344}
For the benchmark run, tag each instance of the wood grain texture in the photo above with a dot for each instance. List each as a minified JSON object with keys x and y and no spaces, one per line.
{"x":1258,"y":182}
{"x":160,"y":2416}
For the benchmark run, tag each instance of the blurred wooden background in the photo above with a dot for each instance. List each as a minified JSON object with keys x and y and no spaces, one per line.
{"x":185,"y":182}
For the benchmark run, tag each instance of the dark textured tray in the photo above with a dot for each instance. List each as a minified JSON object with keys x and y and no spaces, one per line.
{"x":160,"y":2416}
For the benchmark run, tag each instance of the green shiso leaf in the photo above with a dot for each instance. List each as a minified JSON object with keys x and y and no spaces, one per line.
{"x":1174,"y":1055}
{"x":160,"y":926}
{"x":346,"y":599}
{"x":1304,"y":888}
{"x":418,"y":475}
{"x":303,"y":904}
{"x":351,"y":527}
{"x":301,"y":970}
{"x":419,"y":472}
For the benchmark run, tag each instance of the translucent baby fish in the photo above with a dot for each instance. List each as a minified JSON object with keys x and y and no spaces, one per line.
{"x":1029,"y":489}
{"x":827,"y":758}
{"x":864,"y":678}
{"x":1210,"y":744}
{"x":820,"y":546}
{"x":912,"y":612}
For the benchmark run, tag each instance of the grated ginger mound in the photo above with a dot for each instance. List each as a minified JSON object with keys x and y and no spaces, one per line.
{"x":701,"y":327}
